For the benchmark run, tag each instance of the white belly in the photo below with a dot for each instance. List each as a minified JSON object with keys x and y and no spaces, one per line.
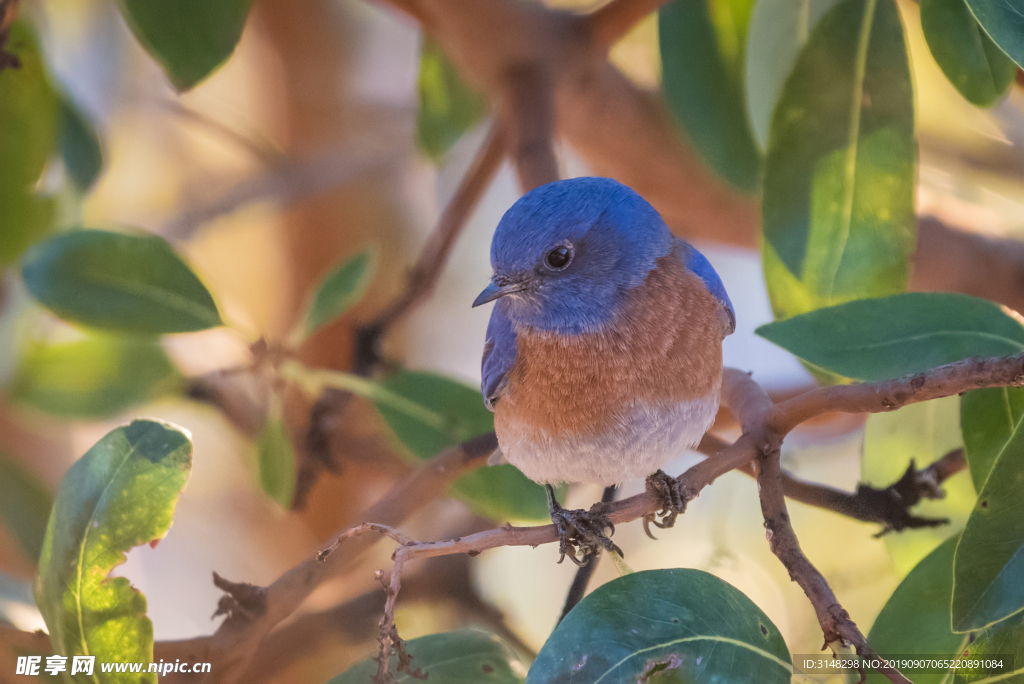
{"x":635,"y":445}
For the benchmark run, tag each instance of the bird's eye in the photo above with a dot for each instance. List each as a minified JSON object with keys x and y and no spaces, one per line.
{"x":558,"y":258}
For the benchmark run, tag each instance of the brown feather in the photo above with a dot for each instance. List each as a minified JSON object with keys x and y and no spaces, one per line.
{"x":664,"y":345}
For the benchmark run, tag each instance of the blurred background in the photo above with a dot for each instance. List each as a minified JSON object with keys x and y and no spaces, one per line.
{"x":301,"y":151}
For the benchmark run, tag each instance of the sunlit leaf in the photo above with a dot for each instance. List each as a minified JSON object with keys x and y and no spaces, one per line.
{"x":838,"y":202}
{"x":120,"y":494}
{"x":450,"y":413}
{"x":702,"y":46}
{"x":989,"y":417}
{"x":189,"y":38}
{"x":1004,"y":643}
{"x":24,"y":505}
{"x":79,"y":146}
{"x":277,"y":461}
{"x":119,"y":282}
{"x":447,"y":106}
{"x":989,"y":560}
{"x":922,"y":433}
{"x":915,"y":619}
{"x":676,"y":625}
{"x":884,"y":338}
{"x":1003,"y":20}
{"x":28,"y":136}
{"x":95,"y":377}
{"x":340,"y":289}
{"x":468,"y":656}
{"x":778,"y":30}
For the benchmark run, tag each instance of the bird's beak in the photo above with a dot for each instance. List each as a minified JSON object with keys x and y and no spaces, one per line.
{"x":496,"y":290}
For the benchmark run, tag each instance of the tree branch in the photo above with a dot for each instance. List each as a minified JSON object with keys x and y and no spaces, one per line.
{"x":752,"y":407}
{"x":889,"y":507}
{"x":432,"y":259}
{"x":765,"y":425}
{"x":627,"y":134}
{"x":239,"y":636}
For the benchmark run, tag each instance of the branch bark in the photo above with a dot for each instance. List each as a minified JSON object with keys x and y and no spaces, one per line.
{"x":765,"y":425}
{"x":889,"y":507}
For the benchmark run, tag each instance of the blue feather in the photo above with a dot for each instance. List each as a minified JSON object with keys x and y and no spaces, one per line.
{"x":699,"y":264}
{"x":499,"y":355}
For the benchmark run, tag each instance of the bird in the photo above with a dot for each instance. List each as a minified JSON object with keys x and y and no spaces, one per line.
{"x":603,"y":354}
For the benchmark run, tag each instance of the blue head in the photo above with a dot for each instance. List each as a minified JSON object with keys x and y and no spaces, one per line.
{"x":566,"y":252}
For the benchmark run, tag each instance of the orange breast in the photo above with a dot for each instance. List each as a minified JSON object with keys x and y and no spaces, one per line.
{"x":664,"y":345}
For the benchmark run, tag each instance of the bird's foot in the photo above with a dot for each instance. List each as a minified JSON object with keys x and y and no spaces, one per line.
{"x":674,"y":496}
{"x":581,"y":533}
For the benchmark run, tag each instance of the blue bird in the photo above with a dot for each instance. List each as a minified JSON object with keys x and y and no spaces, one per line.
{"x":603,"y":356}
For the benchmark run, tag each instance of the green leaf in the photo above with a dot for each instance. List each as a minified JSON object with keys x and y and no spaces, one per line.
{"x":778,"y":30}
{"x":96,"y":377}
{"x":452,"y":412}
{"x":79,"y":146}
{"x":502,"y":493}
{"x":449,"y":413}
{"x":885,"y":338}
{"x":990,"y":418}
{"x":447,"y":106}
{"x":277,"y":461}
{"x":28,"y":136}
{"x":467,"y":656}
{"x":24,"y":505}
{"x":119,"y":282}
{"x":189,"y":38}
{"x":989,"y":560}
{"x":702,"y":47}
{"x":915,"y":619}
{"x":1006,"y":640}
{"x":1003,"y":21}
{"x":968,"y":57}
{"x":921,"y":433}
{"x":340,"y":289}
{"x":678,"y":625}
{"x":838,"y":201}
{"x":121,"y":494}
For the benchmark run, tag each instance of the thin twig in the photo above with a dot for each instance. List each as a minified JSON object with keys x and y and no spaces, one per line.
{"x":432,"y":259}
{"x":889,"y":506}
{"x":389,"y":532}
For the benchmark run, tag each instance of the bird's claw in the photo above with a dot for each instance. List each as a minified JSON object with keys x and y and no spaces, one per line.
{"x":674,"y":496}
{"x":581,"y":534}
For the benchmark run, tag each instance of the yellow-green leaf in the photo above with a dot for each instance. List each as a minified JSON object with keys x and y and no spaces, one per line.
{"x":28,"y":136}
{"x":95,"y":377}
{"x":448,"y":107}
{"x":838,"y":204}
{"x":120,"y":494}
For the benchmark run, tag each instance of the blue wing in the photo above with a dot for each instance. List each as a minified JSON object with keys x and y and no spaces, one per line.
{"x":499,"y":355}
{"x":698,"y":263}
